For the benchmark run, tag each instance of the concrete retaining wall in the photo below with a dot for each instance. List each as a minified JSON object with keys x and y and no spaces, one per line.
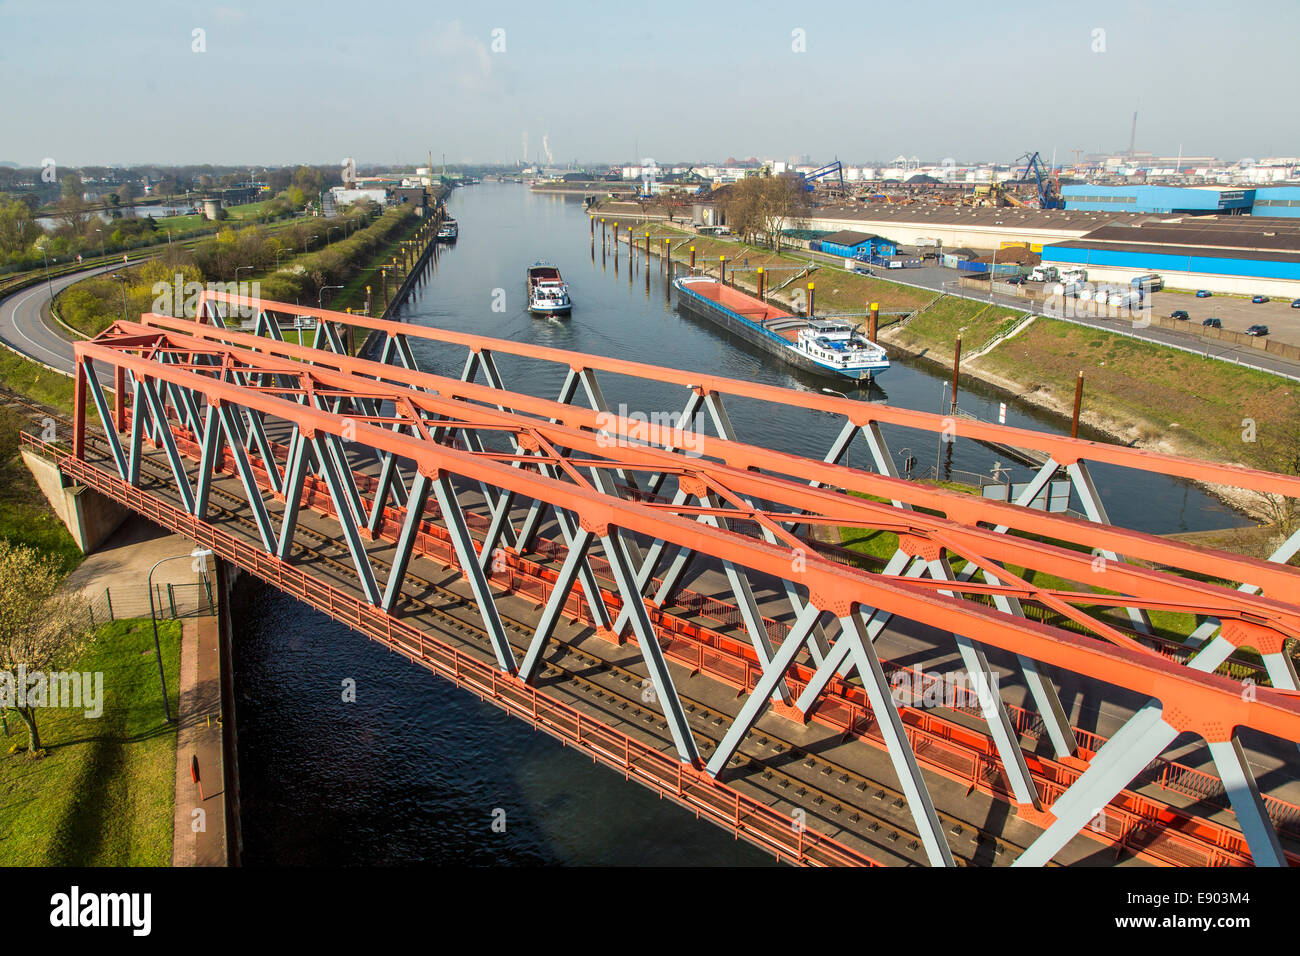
{"x":89,"y":516}
{"x":1261,"y":343}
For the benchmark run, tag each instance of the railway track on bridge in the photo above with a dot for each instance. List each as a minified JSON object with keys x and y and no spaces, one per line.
{"x":779,"y":785}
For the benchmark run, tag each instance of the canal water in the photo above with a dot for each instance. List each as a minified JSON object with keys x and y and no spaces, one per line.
{"x":415,"y":770}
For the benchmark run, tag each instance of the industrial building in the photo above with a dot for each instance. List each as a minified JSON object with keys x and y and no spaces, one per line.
{"x":1250,"y":255}
{"x":1193,"y":200}
{"x":1281,"y":201}
{"x":950,"y":226}
{"x":851,"y":245}
{"x":1269,"y":201}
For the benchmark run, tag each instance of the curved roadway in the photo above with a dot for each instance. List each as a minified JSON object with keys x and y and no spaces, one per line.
{"x":25,"y":324}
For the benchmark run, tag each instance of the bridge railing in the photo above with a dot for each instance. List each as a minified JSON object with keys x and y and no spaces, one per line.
{"x":165,"y":360}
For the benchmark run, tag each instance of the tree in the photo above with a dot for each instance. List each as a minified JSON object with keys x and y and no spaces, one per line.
{"x":782,"y":201}
{"x":309,"y":179}
{"x":1275,"y":446}
{"x":70,"y":183}
{"x":41,"y":627}
{"x":674,"y":199}
{"x":18,"y":229}
{"x":741,"y":203}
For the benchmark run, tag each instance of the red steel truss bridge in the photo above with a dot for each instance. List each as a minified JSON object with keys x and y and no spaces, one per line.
{"x":664,"y":600}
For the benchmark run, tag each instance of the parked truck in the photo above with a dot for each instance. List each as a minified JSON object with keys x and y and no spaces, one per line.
{"x":1151,"y":282}
{"x":1044,"y":274}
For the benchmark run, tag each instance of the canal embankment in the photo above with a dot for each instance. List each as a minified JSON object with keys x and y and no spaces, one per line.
{"x":1137,"y":392}
{"x":406,"y":271}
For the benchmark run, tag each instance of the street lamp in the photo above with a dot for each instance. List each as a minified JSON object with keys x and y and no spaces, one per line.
{"x":277,"y":256}
{"x":328,"y":230}
{"x":199,"y":557}
{"x":49,"y":287}
{"x":307,"y":242}
{"x":122,"y":279}
{"x":237,"y":268}
{"x":320,"y":295}
{"x":101,"y":242}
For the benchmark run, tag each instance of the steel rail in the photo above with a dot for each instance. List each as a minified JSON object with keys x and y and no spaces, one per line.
{"x":1207,"y":704}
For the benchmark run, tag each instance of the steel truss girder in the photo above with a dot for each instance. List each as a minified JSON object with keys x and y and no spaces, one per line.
{"x":1151,"y":548}
{"x":741,"y":481}
{"x":467,"y":557}
{"x":1005,"y":738}
{"x":1141,"y":739}
{"x":1271,"y":713}
{"x":882,"y":704}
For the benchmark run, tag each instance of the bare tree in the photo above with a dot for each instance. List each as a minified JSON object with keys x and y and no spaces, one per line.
{"x":762,"y":207}
{"x":41,"y":627}
{"x":741,"y":203}
{"x":783,"y":202}
{"x":1275,"y":446}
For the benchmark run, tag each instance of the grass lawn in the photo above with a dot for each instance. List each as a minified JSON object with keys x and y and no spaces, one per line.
{"x":104,"y":793}
{"x":877,"y":547}
{"x":179,"y":224}
{"x":26,"y":517}
{"x":35,"y":381}
{"x":1163,"y":391}
{"x":937,"y":328}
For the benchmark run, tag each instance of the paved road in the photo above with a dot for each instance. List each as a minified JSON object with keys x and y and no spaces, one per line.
{"x":25,"y":326}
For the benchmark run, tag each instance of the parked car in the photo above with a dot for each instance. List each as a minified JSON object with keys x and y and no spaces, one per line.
{"x":1203,"y":293}
{"x":1179,"y":314}
{"x":1257,"y":330}
{"x":1015,"y":280}
{"x":1259,"y":298}
{"x":1212,"y":323}
{"x":1295,"y":303}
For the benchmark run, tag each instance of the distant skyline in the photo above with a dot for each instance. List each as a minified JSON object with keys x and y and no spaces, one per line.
{"x":386,"y":82}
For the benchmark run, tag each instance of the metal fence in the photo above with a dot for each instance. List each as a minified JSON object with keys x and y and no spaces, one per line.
{"x":170,"y":601}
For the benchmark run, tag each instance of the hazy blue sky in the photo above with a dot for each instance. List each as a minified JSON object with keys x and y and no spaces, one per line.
{"x":98,"y":83}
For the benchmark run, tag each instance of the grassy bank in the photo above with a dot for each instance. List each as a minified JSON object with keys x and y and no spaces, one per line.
{"x":1162,"y":396}
{"x":37,"y":382}
{"x":26,"y":517}
{"x":104,"y":793}
{"x":253,"y":253}
{"x":1135,"y":391}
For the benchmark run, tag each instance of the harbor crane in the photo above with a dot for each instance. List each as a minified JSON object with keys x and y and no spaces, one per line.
{"x":1044,"y":180}
{"x":830,"y":169}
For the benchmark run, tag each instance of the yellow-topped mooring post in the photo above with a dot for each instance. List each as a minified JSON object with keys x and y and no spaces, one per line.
{"x":810,"y":300}
{"x":722,"y":269}
{"x":692,"y":258}
{"x":760,"y":282}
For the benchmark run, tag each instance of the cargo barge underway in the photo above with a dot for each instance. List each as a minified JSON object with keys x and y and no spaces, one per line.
{"x":547,"y":292}
{"x":815,"y":345}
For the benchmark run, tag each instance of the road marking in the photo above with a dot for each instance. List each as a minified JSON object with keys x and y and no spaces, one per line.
{"x":13,"y":309}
